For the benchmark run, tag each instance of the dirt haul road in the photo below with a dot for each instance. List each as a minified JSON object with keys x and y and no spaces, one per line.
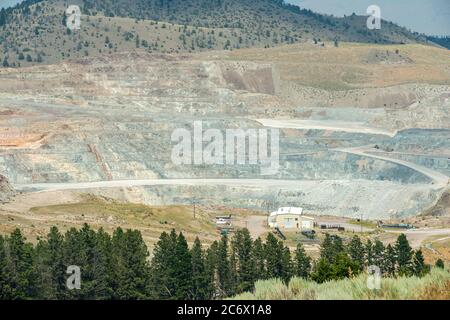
{"x":440,"y":180}
{"x":42,"y":187}
{"x":332,"y":125}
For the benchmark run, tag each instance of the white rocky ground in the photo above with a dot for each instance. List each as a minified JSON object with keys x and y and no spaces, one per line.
{"x":104,"y":126}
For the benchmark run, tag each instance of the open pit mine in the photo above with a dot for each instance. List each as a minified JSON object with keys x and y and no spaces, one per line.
{"x":357,"y":135}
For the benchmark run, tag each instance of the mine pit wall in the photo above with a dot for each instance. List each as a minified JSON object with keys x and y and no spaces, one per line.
{"x":371,"y":199}
{"x":249,"y":77}
{"x":429,"y":148}
{"x":162,"y":95}
{"x":395,"y":108}
{"x":439,"y":163}
{"x":301,"y":158}
{"x":6,"y":190}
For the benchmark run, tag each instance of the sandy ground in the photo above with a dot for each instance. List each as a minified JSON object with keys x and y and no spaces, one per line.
{"x":24,"y":202}
{"x":256,"y":225}
{"x":418,"y":237}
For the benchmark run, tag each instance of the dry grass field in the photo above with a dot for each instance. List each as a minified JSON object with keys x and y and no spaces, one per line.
{"x":433,"y":286}
{"x":66,"y":210}
{"x":354,"y":65}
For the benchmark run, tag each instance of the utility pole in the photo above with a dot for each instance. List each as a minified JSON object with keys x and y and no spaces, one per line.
{"x":194,"y":209}
{"x":361,"y":221}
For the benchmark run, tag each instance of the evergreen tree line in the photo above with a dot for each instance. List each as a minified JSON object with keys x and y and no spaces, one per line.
{"x":112,"y":267}
{"x":118,"y":266}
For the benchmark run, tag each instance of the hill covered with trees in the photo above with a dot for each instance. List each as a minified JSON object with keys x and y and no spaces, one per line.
{"x":443,"y":41}
{"x":119,"y":266}
{"x":35,"y":31}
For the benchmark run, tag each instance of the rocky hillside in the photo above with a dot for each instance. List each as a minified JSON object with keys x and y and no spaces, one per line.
{"x":110,"y":119}
{"x":442,"y":206}
{"x":6,"y":191}
{"x":442,"y":41}
{"x":34,"y":32}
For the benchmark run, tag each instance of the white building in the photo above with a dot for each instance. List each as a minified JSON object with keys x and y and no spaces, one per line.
{"x":290,"y":218}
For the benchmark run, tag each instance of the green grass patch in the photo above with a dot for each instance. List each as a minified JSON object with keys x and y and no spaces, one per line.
{"x":364,"y":223}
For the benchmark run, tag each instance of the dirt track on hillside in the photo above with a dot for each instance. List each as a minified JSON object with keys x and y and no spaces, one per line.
{"x":332,"y":125}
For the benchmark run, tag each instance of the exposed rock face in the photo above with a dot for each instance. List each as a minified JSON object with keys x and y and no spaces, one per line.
{"x":111,"y":118}
{"x":6,"y":191}
{"x":442,"y":206}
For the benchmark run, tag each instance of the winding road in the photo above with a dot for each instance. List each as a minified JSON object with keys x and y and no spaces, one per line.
{"x":153,"y":182}
{"x":332,"y":125}
{"x":440,"y":180}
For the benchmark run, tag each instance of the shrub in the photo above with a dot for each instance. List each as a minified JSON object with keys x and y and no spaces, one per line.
{"x":434,"y":285}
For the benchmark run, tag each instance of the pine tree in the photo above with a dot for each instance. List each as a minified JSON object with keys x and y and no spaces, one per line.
{"x":378,"y":254}
{"x":344,"y":267}
{"x":278,"y":259}
{"x":419,"y":266}
{"x":2,"y":17}
{"x":224,"y":275}
{"x":45,"y":284}
{"x":211,"y":266}
{"x":137,"y":265}
{"x":390,"y":261}
{"x":302,"y":262}
{"x":336,"y":42}
{"x":103,"y":269}
{"x":323,"y":271}
{"x":182,"y":269}
{"x":73,"y":254}
{"x":5,"y":273}
{"x":118,"y":272}
{"x":286,"y":264}
{"x":132,"y":269}
{"x":234,"y":282}
{"x":64,"y":20}
{"x":439,"y":264}
{"x":86,"y":238}
{"x":331,"y":247}
{"x":201,"y":282}
{"x":19,"y":267}
{"x":356,"y":251}
{"x":50,"y":270}
{"x":162,"y":283}
{"x":404,"y":255}
{"x":273,"y":252}
{"x":242,"y":246}
{"x":258,"y":256}
{"x":369,"y":253}
{"x":138,"y":42}
{"x":326,"y":248}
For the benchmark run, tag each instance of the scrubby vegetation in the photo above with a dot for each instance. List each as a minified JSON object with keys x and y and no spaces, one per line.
{"x":440,"y":40}
{"x":120,"y":267}
{"x":434,"y":285}
{"x":35,"y":31}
